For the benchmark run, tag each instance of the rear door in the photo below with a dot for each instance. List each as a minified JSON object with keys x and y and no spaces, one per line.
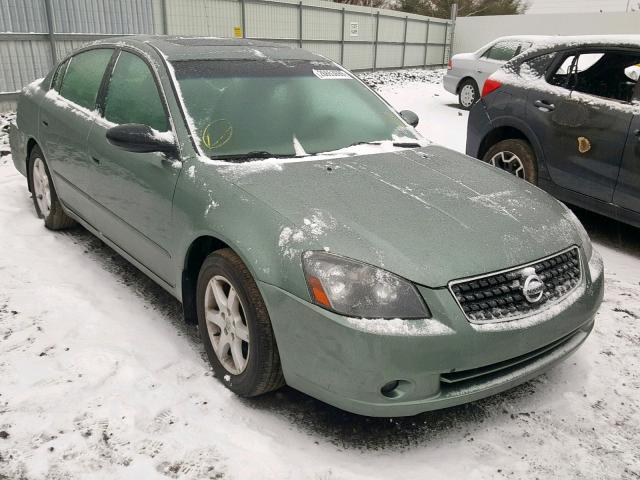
{"x":627,"y":194}
{"x":582,"y":118}
{"x":66,"y":118}
{"x":134,"y":191}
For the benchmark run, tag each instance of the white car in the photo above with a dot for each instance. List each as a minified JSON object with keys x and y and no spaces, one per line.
{"x":467,"y":72}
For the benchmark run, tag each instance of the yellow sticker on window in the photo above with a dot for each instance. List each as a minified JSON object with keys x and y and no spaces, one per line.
{"x":237,"y":32}
{"x":217,"y":133}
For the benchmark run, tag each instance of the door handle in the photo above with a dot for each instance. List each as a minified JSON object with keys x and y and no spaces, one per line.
{"x":544,"y":105}
{"x":45,"y":123}
{"x":96,"y":160}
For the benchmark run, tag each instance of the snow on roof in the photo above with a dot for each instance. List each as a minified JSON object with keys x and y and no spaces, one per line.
{"x":543,"y":42}
{"x":577,"y":40}
{"x":180,"y":47}
{"x":524,"y":37}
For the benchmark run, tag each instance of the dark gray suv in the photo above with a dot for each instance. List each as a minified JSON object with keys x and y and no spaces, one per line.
{"x":565,"y":116}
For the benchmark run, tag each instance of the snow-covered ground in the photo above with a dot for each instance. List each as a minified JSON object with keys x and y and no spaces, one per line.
{"x":100,"y":378}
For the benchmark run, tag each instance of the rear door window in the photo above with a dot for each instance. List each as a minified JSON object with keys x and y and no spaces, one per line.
{"x":133,"y":96}
{"x":83,"y":76}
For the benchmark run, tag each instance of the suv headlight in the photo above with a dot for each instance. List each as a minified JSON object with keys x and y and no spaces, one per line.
{"x":584,"y":236}
{"x":357,"y":289}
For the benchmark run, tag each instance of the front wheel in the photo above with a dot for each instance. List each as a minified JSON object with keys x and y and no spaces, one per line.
{"x":45,"y":198}
{"x":468,"y":94}
{"x":516,"y":157}
{"x":235,"y":327}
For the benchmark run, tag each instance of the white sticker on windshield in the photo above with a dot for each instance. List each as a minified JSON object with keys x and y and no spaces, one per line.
{"x":331,"y":74}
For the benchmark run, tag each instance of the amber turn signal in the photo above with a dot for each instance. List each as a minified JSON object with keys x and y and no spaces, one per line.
{"x":319,"y":296}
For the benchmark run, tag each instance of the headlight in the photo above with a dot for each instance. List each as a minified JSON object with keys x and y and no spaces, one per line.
{"x":356,"y":289}
{"x":584,"y":236}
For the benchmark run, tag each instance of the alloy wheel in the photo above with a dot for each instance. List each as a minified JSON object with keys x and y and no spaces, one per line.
{"x":467,"y":95}
{"x":509,"y":162}
{"x":226,"y":324}
{"x":41,"y":188}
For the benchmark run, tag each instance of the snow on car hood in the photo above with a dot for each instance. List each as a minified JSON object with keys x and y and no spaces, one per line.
{"x":431,"y":215}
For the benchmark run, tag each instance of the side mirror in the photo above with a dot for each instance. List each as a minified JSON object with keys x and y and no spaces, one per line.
{"x":410,"y":117}
{"x":138,"y":138}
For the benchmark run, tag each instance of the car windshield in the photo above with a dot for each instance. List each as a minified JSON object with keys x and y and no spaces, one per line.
{"x":247,"y":109}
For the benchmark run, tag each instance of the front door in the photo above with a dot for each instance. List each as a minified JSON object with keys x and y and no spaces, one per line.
{"x":135,"y":190}
{"x":582,"y":119}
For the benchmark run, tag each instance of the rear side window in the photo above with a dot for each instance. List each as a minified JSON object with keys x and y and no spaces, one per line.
{"x":133,"y":96}
{"x":83,"y":76}
{"x":504,"y":51}
{"x":535,"y":67}
{"x":603,"y":74}
{"x":59,"y":75}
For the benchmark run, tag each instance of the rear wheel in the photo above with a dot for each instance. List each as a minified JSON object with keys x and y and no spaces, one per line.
{"x":516,"y":157}
{"x":235,"y":327}
{"x":44,"y":195}
{"x":468,"y":93}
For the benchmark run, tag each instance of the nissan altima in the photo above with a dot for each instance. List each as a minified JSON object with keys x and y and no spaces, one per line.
{"x":315,"y":237}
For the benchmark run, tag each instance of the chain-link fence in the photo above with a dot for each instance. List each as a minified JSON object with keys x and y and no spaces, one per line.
{"x":34,"y":34}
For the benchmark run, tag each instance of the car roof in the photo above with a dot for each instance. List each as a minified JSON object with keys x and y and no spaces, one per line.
{"x":587,"y":40}
{"x":578,"y":41}
{"x":535,"y":39}
{"x":532,"y":38}
{"x":213,"y":48}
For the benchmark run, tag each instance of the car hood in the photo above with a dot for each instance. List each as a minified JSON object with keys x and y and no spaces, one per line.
{"x":430,"y":215}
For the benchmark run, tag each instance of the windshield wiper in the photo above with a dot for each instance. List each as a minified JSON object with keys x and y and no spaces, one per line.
{"x":395,"y":144}
{"x":365,"y":143}
{"x":240,"y":157}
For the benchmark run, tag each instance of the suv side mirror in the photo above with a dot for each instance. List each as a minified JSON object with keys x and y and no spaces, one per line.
{"x":138,"y":138}
{"x":410,"y":117}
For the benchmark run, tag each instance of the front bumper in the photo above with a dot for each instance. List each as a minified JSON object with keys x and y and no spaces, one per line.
{"x":441,"y":362}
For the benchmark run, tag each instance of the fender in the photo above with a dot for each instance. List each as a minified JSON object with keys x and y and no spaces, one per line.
{"x":207,"y":204}
{"x":528,"y":134}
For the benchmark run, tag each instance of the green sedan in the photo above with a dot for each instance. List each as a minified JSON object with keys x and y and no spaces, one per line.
{"x":315,"y":237}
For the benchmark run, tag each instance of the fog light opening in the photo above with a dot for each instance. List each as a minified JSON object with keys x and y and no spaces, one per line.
{"x":395,"y":388}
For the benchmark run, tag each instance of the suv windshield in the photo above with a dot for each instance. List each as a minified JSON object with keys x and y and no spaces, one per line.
{"x":246,"y":109}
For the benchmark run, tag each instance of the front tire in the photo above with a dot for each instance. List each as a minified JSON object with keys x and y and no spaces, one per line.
{"x":514,"y":156}
{"x":468,"y":94}
{"x":45,"y":198}
{"x":235,"y":327}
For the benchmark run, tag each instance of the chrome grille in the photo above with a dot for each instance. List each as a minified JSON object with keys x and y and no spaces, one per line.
{"x":501,"y":295}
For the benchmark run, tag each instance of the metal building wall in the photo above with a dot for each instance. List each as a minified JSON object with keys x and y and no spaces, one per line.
{"x":102,"y":16}
{"x":34,"y":34}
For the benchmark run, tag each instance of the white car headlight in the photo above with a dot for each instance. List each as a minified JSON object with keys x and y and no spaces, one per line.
{"x":357,"y":289}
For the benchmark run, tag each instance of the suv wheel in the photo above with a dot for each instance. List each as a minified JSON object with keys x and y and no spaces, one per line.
{"x":468,"y":93}
{"x":45,"y":199}
{"x":235,"y":327}
{"x":516,"y":157}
